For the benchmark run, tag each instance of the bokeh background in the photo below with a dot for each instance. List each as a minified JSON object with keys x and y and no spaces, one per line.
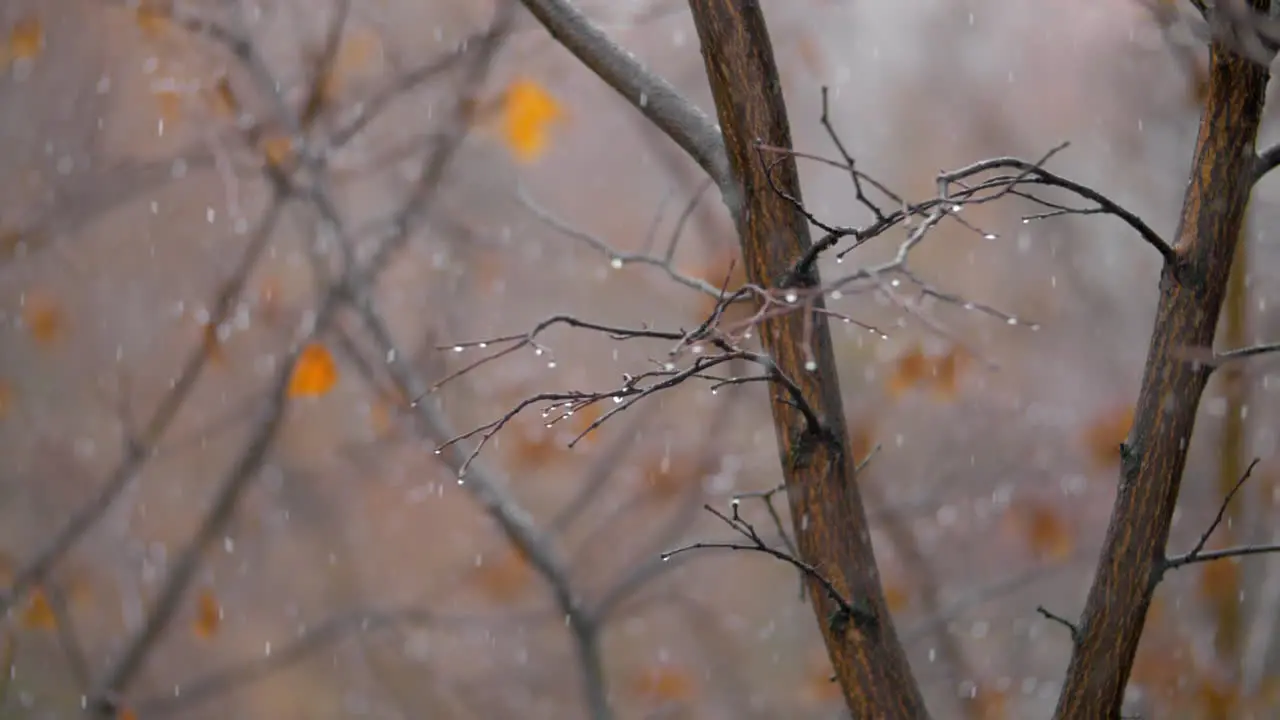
{"x":357,"y":578}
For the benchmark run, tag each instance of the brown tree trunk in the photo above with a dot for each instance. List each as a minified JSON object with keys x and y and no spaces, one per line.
{"x":1153,"y":458}
{"x":817,"y":464}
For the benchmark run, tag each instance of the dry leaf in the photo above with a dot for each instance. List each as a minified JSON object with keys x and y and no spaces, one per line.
{"x":819,"y":688}
{"x":1219,"y":581}
{"x":152,"y":19}
{"x":946,"y":373}
{"x":666,"y":683}
{"x":213,"y":345}
{"x":504,"y":576}
{"x":1104,"y":435}
{"x":222,"y":99}
{"x":26,"y":40}
{"x":44,"y":319}
{"x":278,"y":150}
{"x":208,"y":615}
{"x":528,"y":112}
{"x":315,"y":373}
{"x":1044,"y":530}
{"x":909,"y":370}
{"x":988,"y":703}
{"x":126,"y":713}
{"x":169,"y":103}
{"x":897,"y":597}
{"x":38,"y":614}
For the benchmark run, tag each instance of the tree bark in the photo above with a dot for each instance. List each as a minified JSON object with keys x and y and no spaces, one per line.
{"x":817,"y":465}
{"x":1154,"y":456}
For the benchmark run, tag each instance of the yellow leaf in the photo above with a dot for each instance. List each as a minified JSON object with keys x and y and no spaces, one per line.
{"x":208,"y":615}
{"x":44,"y":319}
{"x":38,"y":615}
{"x":314,"y":374}
{"x":527,"y":114}
{"x":26,"y":39}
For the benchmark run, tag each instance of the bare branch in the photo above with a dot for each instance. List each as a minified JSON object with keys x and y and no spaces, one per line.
{"x":1198,"y":554}
{"x":618,"y":259}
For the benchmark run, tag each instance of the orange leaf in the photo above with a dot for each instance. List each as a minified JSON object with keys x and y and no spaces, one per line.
{"x":1105,"y":434}
{"x":45,"y":321}
{"x":528,"y":111}
{"x":582,"y":419}
{"x":152,"y":19}
{"x":988,"y":703}
{"x":897,"y":597}
{"x":170,"y":104}
{"x":315,"y":373}
{"x":126,"y":713}
{"x":505,"y":577}
{"x":26,"y":39}
{"x":223,"y":98}
{"x":38,"y":615}
{"x":665,"y":683}
{"x":278,"y":150}
{"x":1043,"y":529}
{"x":208,"y":615}
{"x":1220,"y":581}
{"x":819,"y":688}
{"x":213,"y":345}
{"x":909,"y":370}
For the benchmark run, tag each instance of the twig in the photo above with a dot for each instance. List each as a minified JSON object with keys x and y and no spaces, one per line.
{"x":618,"y":259}
{"x":1198,"y":554}
{"x":847,"y":611}
{"x":1070,"y":626}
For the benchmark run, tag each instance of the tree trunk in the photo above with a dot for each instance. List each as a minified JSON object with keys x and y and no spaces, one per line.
{"x":1153,"y":458}
{"x":817,"y":464}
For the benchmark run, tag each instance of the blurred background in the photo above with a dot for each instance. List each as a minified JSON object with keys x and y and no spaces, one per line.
{"x":356,"y":577}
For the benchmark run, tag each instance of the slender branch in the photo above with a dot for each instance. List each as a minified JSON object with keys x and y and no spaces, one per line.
{"x":1198,"y":553}
{"x":649,"y":93}
{"x":1266,"y":161}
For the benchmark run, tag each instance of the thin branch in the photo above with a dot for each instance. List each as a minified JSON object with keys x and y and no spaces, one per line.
{"x":1198,"y":554}
{"x":847,"y":611}
{"x":1266,"y":161}
{"x":619,"y":259}
{"x":1070,"y":626}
